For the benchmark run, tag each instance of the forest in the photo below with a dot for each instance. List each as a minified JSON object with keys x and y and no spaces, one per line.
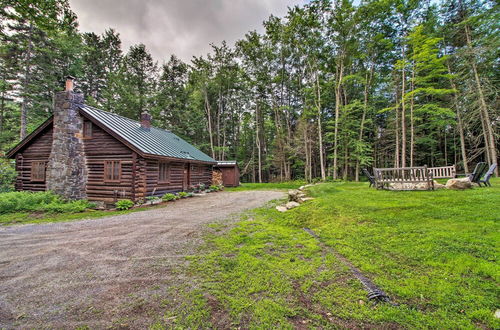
{"x":332,"y":87}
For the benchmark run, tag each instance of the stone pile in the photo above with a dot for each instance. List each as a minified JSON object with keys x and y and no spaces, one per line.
{"x":295,"y":198}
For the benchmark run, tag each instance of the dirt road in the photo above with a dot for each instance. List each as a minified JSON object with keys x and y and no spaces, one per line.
{"x":107,"y":272}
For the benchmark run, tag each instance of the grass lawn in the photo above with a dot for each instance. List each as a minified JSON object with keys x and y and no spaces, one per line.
{"x":41,"y":217}
{"x":267,"y":186}
{"x":434,"y":252}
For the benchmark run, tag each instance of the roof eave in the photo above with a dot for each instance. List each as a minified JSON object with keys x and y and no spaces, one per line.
{"x":30,"y":137}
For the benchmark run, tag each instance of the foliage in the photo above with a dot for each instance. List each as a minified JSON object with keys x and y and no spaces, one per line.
{"x":124,"y":204}
{"x":7,"y":176}
{"x":169,"y":197}
{"x":433,"y":252}
{"x":21,"y":201}
{"x":182,"y":194}
{"x":267,"y":186}
{"x":331,"y":87}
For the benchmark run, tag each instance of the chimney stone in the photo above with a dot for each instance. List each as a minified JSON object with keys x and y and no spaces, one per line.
{"x":146,"y":120}
{"x":66,"y":169}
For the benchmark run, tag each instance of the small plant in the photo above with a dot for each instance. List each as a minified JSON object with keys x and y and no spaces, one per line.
{"x":214,"y":188}
{"x":7,"y":176}
{"x":189,"y":194}
{"x":152,"y":199}
{"x":183,"y":194}
{"x":169,"y":197}
{"x":124,"y":204}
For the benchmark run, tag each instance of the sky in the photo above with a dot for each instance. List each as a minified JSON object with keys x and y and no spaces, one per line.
{"x":181,"y":27}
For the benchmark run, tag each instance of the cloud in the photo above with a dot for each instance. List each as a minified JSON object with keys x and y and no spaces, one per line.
{"x":181,"y":27}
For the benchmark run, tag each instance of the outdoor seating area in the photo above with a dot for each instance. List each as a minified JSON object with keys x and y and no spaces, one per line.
{"x":422,"y":177}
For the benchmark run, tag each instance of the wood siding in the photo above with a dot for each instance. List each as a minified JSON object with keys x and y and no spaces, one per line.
{"x":98,"y":149}
{"x":201,"y":174}
{"x":38,"y":150}
{"x":139,"y":176}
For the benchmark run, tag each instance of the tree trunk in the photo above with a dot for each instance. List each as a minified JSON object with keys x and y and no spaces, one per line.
{"x":403,"y":112}
{"x":488,"y":129}
{"x":27,"y":70}
{"x":258,"y":142}
{"x":337,"y":114}
{"x":459,"y":122}
{"x":320,"y":131}
{"x":368,"y":78}
{"x":208,"y":110}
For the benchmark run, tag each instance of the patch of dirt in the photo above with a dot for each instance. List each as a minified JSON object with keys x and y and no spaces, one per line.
{"x":108,"y":272}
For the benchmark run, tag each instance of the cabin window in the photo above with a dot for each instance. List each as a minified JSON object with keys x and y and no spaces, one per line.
{"x":164,"y":172}
{"x":112,"y":171}
{"x":87,"y":129}
{"x":38,"y":171}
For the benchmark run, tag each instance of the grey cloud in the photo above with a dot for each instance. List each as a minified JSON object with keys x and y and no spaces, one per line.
{"x":185,"y":28}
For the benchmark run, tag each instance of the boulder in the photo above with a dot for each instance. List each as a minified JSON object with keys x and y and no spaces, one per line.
{"x":291,"y":205}
{"x":305,"y":199}
{"x":293,"y":195}
{"x":281,"y":208}
{"x":459,"y":184}
{"x":437,"y":185}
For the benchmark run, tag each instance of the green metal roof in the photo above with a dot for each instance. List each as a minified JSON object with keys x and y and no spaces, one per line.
{"x":152,"y":141}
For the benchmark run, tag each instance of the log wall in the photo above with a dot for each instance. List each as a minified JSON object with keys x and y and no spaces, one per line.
{"x":38,"y":150}
{"x":98,"y":149}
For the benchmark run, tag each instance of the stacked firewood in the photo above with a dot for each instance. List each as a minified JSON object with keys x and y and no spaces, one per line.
{"x":217,"y":178}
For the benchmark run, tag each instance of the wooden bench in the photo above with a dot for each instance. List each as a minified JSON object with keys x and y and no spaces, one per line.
{"x":443,"y":172}
{"x":404,"y":175}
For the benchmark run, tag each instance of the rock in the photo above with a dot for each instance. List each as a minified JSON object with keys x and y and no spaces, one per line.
{"x":438,"y":185}
{"x":305,"y":199}
{"x":293,"y":195}
{"x":291,"y":205}
{"x":281,"y":208}
{"x":459,"y":184}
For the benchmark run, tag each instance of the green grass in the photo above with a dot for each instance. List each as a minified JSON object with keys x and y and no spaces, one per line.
{"x":267,"y":186}
{"x":43,"y":217}
{"x":434,"y":252}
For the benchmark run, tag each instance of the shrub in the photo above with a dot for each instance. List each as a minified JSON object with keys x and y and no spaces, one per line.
{"x":124,"y":204}
{"x":7,"y":176}
{"x":215,"y":188}
{"x":182,"y":194}
{"x":26,"y":201}
{"x":40,"y":202}
{"x":168,"y":197}
{"x":70,"y":207}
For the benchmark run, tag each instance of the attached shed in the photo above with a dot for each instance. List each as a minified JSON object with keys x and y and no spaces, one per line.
{"x":230,"y":172}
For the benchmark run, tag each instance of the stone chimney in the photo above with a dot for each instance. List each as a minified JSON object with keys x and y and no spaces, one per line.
{"x":146,"y":120}
{"x":66,"y":169}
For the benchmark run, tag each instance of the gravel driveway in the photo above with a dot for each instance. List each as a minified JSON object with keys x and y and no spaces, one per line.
{"x":113,"y":271}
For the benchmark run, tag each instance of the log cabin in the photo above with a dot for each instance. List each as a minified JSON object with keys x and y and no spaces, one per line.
{"x":86,"y":153}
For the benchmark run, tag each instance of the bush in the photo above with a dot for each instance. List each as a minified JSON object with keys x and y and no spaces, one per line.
{"x":24,"y":201}
{"x":7,"y":176}
{"x":124,"y":204}
{"x":169,"y":197}
{"x":183,"y":194}
{"x":70,"y":207}
{"x":215,"y":188}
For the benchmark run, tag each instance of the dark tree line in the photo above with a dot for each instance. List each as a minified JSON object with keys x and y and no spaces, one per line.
{"x":328,"y":89}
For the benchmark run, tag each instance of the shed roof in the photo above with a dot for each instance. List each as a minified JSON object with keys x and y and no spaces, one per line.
{"x":153,"y":141}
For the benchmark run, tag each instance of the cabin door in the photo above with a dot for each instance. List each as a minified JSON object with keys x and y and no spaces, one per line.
{"x":185,"y":177}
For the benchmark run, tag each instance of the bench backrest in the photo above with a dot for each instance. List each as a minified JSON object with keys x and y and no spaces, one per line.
{"x":443,"y":172}
{"x":488,"y":174}
{"x":403,"y":175}
{"x":479,"y":171}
